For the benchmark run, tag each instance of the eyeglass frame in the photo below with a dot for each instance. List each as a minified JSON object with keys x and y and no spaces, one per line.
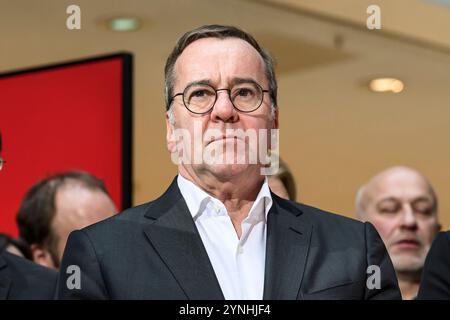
{"x":216,"y":96}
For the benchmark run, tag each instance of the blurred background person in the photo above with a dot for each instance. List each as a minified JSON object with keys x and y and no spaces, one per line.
{"x":56,"y":206}
{"x":15,"y":246}
{"x":282,"y":183}
{"x":403,"y":207}
{"x":20,"y":278}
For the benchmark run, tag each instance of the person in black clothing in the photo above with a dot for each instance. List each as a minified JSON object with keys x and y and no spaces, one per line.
{"x":436,"y":273}
{"x":21,"y":279}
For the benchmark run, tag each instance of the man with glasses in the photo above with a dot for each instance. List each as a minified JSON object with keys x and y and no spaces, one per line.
{"x":22,"y":279}
{"x":218,"y":232}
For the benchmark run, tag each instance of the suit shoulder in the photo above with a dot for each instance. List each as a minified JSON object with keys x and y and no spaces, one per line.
{"x":129,"y":217}
{"x":331,"y":218}
{"x":330,"y":225}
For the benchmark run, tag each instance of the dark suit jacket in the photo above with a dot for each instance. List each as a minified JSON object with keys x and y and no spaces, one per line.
{"x":23,"y":279}
{"x":435,"y":282}
{"x":154,"y":251}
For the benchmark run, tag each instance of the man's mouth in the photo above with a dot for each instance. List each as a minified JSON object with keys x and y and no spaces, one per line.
{"x":224,"y":138}
{"x":408,"y":243}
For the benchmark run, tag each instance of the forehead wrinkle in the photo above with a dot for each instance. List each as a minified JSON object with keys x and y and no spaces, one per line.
{"x":234,"y":81}
{"x":236,"y":58}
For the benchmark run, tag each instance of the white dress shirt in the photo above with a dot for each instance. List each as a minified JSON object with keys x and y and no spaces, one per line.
{"x":239,"y":264}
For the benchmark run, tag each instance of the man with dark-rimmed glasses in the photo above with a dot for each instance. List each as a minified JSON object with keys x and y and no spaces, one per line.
{"x":218,"y":232}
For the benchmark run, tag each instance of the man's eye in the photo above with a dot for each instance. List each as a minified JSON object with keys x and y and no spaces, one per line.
{"x":423,"y":209}
{"x":244,"y":92}
{"x":388,"y":210}
{"x":199,"y":93}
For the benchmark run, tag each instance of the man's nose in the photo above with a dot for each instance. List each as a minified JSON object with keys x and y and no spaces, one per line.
{"x":223,"y":109}
{"x":409,"y":219}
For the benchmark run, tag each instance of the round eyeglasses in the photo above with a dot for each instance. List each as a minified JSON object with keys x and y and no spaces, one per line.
{"x":200,"y":98}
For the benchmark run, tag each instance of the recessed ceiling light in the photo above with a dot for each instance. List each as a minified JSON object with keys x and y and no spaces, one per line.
{"x":124,"y":24}
{"x":386,"y":85}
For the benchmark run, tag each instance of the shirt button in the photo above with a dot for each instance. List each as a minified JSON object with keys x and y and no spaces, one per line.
{"x":240,"y":250}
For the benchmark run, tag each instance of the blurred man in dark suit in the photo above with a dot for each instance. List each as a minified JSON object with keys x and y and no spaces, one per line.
{"x":22,"y":279}
{"x":218,"y":232}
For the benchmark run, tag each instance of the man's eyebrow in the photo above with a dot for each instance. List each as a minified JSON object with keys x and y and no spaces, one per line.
{"x":423,"y":199}
{"x":235,"y":81}
{"x":389,"y":199}
{"x":202,"y":81}
{"x":416,"y":200}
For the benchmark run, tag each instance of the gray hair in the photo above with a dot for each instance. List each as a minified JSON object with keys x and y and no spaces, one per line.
{"x":221,"y":32}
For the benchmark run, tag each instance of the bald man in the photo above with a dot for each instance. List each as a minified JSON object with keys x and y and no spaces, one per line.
{"x":402,"y":206}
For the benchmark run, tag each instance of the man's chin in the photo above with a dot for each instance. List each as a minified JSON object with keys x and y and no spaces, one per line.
{"x":228,"y":170}
{"x":408,"y":262}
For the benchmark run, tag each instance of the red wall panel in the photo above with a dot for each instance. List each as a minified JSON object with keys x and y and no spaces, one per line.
{"x":61,"y":118}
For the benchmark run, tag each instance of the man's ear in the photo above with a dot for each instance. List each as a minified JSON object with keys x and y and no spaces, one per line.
{"x":170,"y":136}
{"x":273,"y":140}
{"x":42,"y":256}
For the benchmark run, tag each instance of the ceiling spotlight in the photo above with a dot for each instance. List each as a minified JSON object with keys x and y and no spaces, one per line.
{"x":386,"y":85}
{"x":124,"y":24}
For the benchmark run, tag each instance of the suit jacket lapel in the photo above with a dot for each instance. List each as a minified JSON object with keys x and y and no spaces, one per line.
{"x":172,"y":232}
{"x":288,"y":241}
{"x":5,"y":282}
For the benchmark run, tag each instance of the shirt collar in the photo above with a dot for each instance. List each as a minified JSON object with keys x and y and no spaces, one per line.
{"x":194,"y":196}
{"x":197,"y":199}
